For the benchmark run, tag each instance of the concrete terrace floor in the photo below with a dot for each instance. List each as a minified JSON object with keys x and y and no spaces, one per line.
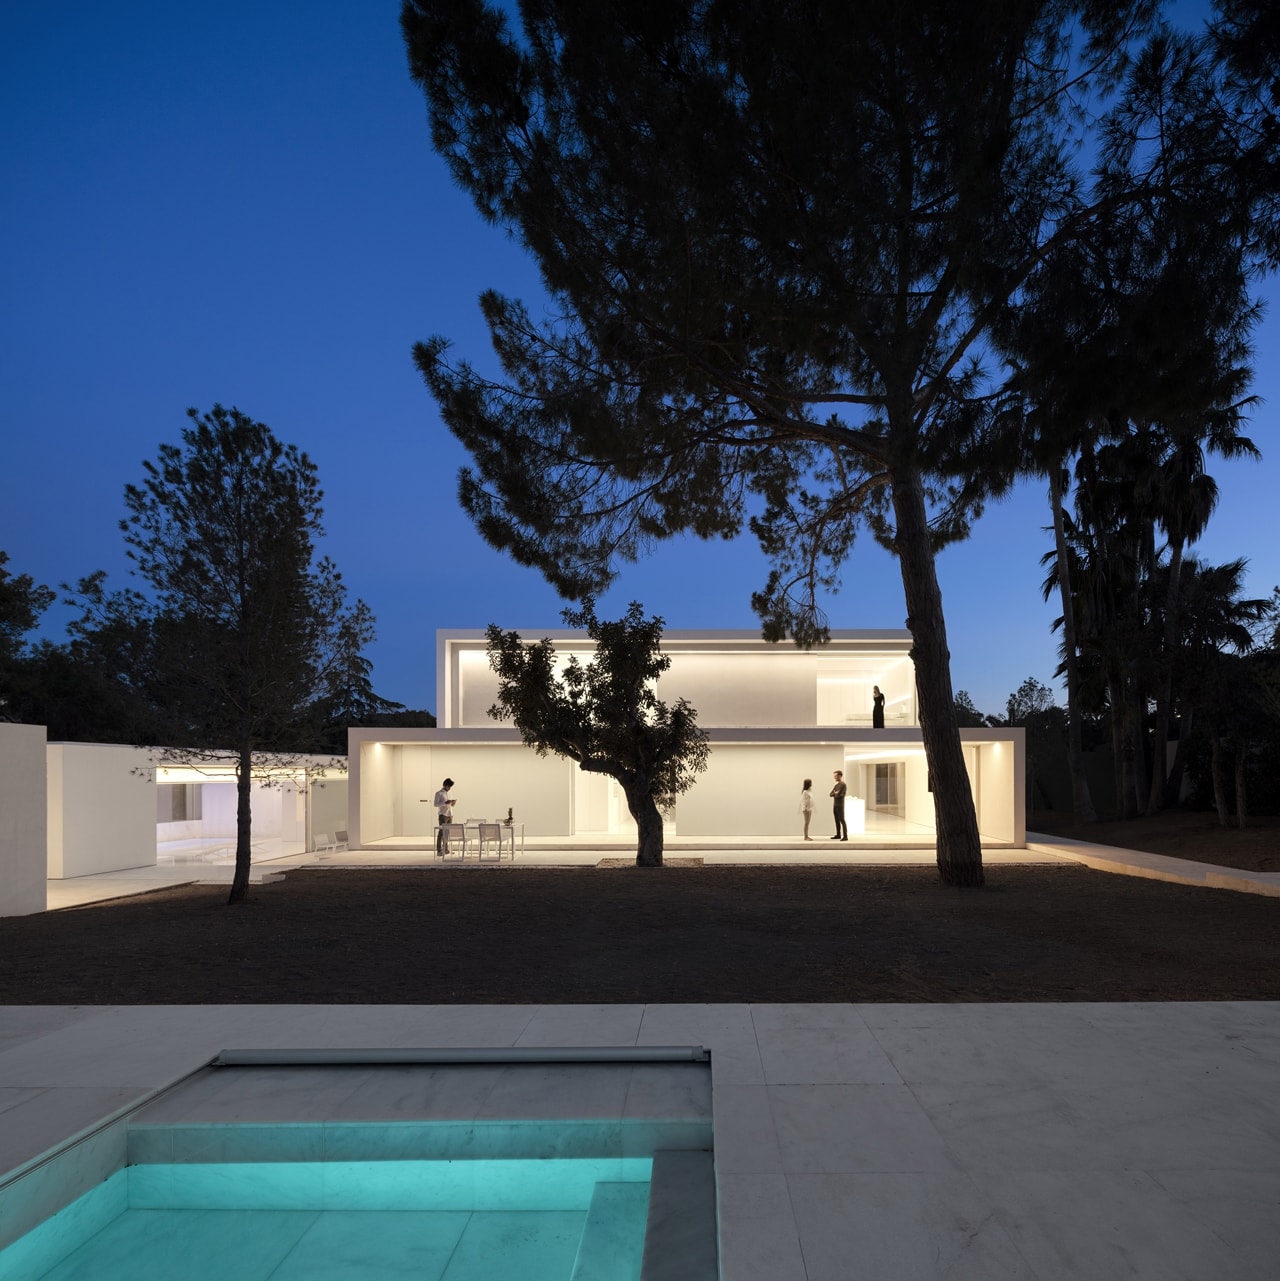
{"x":895,"y":1142}
{"x":1039,"y":849}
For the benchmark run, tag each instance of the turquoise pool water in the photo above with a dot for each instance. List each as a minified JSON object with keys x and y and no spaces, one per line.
{"x":478,"y":1220}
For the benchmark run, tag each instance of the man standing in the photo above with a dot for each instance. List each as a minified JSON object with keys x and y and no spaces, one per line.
{"x":444,"y":812}
{"x":837,"y":795}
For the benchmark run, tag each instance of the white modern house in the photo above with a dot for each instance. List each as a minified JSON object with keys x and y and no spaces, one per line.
{"x":775,"y":716}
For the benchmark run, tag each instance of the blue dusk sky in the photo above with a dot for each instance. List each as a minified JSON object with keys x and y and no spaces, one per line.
{"x":238,"y":202}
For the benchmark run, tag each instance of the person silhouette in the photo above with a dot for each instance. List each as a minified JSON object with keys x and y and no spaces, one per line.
{"x":444,"y":812}
{"x":837,"y":807}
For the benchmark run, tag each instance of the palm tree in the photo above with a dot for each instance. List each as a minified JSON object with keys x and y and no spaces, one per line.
{"x":1133,"y":347}
{"x":1185,"y":496}
{"x":1219,"y":626}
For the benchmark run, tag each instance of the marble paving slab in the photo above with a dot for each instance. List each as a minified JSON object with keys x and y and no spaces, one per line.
{"x":894,"y":1141}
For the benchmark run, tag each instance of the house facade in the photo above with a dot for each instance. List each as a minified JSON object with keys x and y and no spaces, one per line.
{"x":775,"y":715}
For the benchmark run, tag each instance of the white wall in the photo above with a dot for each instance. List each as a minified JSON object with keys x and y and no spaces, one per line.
{"x":101,"y":809}
{"x":539,"y":789}
{"x":476,"y":689}
{"x":777,"y":689}
{"x":217,"y":811}
{"x":417,"y":782}
{"x":488,"y":779}
{"x":24,"y":819}
{"x":219,"y":805}
{"x":595,"y":807}
{"x":374,"y":806}
{"x":397,"y":784}
{"x":329,"y":804}
{"x":1001,"y":793}
{"x":754,"y":790}
{"x":917,"y":796}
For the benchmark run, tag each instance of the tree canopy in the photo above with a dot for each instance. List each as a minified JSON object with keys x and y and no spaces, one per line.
{"x":776,"y":236}
{"x":246,"y":640}
{"x":605,"y":715}
{"x":22,"y":601}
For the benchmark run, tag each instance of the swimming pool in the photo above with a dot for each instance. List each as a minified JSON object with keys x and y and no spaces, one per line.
{"x":356,"y":1172}
{"x":554,"y":1220}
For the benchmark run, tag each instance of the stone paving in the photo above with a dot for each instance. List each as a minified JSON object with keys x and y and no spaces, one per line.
{"x":1001,"y":1142}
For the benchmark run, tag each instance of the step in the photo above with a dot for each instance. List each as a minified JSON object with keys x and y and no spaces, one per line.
{"x":612,"y":1242}
{"x":680,"y":1236}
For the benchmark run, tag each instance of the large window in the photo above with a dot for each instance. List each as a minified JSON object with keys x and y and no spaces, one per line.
{"x":178,"y":802}
{"x":888,"y":787}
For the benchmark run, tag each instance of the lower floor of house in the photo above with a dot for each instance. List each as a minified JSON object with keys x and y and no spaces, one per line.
{"x":749,"y":793}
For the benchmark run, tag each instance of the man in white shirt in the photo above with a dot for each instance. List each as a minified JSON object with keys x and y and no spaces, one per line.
{"x":444,"y":812}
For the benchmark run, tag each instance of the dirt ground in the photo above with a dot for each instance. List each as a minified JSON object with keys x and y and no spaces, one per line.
{"x":1179,"y":834}
{"x":673,"y":934}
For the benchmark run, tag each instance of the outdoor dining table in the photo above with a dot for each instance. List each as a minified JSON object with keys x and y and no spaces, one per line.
{"x":506,"y":834}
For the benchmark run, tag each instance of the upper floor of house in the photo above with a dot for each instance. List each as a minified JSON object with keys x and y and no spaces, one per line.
{"x":733,"y":679}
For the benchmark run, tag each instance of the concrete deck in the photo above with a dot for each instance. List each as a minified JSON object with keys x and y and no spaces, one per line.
{"x":895,"y":1142}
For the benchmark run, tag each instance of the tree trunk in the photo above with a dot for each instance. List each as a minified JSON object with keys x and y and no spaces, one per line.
{"x":1157,"y":796}
{"x":1138,"y":729}
{"x":1082,"y":810}
{"x":1215,"y":770}
{"x":1122,"y":748}
{"x":1242,"y":799}
{"x":244,"y":812}
{"x":959,"y":845}
{"x":1173,"y":785}
{"x":648,"y":824}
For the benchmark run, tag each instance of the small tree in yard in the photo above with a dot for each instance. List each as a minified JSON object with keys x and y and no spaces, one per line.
{"x":249,"y":636}
{"x":605,"y":715}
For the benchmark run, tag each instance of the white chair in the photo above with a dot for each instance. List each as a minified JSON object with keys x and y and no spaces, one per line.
{"x":339,"y":840}
{"x":450,"y":834}
{"x":489,"y":834}
{"x":324,"y":843}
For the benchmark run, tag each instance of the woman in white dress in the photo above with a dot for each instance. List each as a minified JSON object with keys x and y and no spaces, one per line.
{"x":806,"y":806}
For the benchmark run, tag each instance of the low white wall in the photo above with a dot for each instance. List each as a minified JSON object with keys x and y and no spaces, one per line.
{"x":23,"y":820}
{"x":190,"y":829}
{"x":101,"y":809}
